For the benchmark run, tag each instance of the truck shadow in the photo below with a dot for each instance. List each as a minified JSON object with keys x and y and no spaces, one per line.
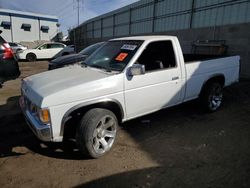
{"x":17,"y":139}
{"x":192,"y":148}
{"x":15,"y":133}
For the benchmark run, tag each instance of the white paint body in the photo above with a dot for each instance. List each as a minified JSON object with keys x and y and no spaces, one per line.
{"x":63,"y":89}
{"x":41,"y":53}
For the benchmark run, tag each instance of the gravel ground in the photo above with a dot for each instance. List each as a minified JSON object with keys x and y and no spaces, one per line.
{"x":176,"y":147}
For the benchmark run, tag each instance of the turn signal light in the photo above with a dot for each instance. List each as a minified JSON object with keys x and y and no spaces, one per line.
{"x":44,"y":116}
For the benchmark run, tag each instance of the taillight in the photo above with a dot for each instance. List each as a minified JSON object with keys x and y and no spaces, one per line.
{"x":7,"y":53}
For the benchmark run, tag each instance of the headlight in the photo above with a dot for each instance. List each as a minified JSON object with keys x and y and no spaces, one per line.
{"x":44,"y":115}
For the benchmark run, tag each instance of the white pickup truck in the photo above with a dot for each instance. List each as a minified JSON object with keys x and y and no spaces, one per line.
{"x":125,"y":79}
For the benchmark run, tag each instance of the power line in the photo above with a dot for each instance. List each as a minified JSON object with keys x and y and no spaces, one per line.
{"x":67,"y":15}
{"x":64,"y":12}
{"x":96,"y":3}
{"x":63,"y":8}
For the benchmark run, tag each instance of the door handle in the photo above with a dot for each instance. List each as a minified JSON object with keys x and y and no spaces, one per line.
{"x":175,"y":78}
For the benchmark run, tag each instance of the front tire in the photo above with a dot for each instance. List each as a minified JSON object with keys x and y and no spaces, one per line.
{"x":96,"y":132}
{"x":31,"y":57}
{"x":212,"y":96}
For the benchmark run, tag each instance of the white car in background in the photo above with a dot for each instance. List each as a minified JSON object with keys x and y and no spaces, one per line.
{"x":44,"y":51}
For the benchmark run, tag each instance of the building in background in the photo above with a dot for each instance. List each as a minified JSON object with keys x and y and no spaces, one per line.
{"x":20,"y":26}
{"x":190,"y":20}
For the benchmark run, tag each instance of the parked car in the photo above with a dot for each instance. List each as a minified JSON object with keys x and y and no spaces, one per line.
{"x":16,"y":47}
{"x":9,"y":68}
{"x":125,"y":79}
{"x":44,"y":51}
{"x":70,"y":49}
{"x":73,"y":58}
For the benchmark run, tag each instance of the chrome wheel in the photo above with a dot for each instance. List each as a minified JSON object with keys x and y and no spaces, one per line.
{"x":104,"y":134}
{"x":96,"y":132}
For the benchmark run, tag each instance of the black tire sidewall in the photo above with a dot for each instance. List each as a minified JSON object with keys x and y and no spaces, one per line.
{"x":207,"y":93}
{"x":31,"y":57}
{"x":85,"y":130}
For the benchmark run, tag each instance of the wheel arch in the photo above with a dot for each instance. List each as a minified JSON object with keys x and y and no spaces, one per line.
{"x":220,"y":78}
{"x":80,"y":109}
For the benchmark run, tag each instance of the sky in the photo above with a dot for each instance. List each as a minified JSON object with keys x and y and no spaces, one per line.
{"x":66,"y":10}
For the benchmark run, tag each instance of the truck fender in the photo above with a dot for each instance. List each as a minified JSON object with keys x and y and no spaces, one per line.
{"x":91,"y":104}
{"x":214,"y":77}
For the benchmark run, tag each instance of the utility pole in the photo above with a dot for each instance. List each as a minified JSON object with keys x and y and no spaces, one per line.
{"x":78,"y":4}
{"x":78,"y":11}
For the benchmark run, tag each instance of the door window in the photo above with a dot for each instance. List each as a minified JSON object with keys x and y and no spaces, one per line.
{"x":157,"y":56}
{"x":57,"y":46}
{"x":43,"y":47}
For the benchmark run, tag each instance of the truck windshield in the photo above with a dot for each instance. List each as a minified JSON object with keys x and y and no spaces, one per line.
{"x":114,"y":55}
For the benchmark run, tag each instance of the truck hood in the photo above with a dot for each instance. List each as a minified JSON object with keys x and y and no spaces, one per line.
{"x":67,"y":85}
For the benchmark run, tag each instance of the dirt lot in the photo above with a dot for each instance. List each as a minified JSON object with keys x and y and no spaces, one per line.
{"x":177,"y":147}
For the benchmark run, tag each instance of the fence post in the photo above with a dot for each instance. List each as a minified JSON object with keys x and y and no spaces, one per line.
{"x":113,"y":25}
{"x":101,"y":27}
{"x":129,"y":24}
{"x":192,"y":14}
{"x":154,"y":15}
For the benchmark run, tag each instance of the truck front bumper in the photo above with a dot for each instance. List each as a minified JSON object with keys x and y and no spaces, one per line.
{"x":43,"y":132}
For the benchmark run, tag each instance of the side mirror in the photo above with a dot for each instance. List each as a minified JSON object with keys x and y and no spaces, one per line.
{"x":136,"y":69}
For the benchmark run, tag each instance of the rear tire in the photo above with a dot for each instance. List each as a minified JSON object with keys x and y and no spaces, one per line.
{"x":31,"y":57}
{"x":96,"y":132}
{"x":212,"y":96}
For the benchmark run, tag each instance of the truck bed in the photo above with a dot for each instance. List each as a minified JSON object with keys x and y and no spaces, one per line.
{"x":189,"y":58}
{"x":200,"y":68}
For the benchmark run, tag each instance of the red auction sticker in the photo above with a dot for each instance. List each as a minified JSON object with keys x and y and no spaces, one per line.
{"x":121,"y":57}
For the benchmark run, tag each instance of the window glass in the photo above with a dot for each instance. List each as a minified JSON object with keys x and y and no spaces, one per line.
{"x":90,"y":49}
{"x":12,"y":44}
{"x":114,"y":55}
{"x":158,"y":55}
{"x":45,"y":46}
{"x":57,"y":46}
{"x":49,"y":46}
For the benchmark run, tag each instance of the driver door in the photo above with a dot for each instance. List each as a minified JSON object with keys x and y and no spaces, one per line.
{"x":161,"y":84}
